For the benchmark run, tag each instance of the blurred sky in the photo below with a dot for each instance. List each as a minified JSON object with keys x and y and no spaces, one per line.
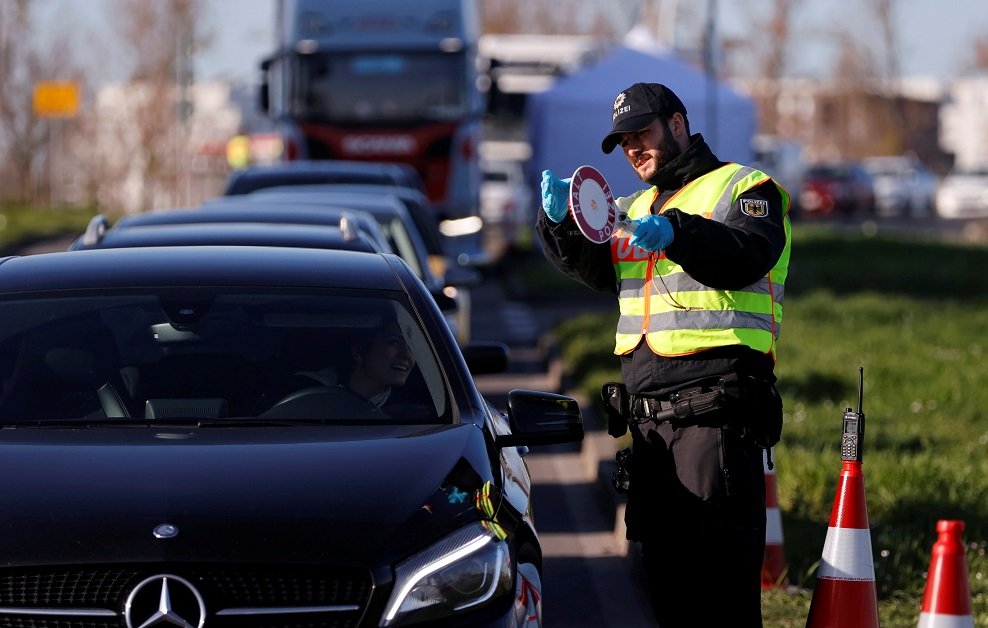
{"x":935,"y":36}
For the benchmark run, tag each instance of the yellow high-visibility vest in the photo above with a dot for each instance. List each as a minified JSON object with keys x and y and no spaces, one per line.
{"x":677,"y":314}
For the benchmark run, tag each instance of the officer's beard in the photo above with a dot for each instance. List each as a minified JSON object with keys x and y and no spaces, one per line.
{"x":668,"y":151}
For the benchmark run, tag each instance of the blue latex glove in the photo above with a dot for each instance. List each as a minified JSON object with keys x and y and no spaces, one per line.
{"x":652,"y":232}
{"x":555,"y":196}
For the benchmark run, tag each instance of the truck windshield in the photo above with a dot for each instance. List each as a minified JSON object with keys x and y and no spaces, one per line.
{"x":382,"y":87}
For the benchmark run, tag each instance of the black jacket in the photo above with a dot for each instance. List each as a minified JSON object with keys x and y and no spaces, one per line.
{"x":725,"y":255}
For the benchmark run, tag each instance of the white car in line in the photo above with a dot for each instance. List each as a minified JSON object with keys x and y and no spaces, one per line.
{"x":903,"y":186}
{"x":963,"y":194}
{"x":506,"y":202}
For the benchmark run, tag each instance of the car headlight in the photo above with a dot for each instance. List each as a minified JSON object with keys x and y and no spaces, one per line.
{"x":463,"y":570}
{"x":461,"y":226}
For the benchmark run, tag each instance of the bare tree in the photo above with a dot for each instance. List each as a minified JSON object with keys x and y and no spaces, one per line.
{"x":884,"y":11}
{"x":777,"y":42}
{"x":552,"y":17}
{"x":847,"y":118}
{"x":501,"y":16}
{"x":159,"y":37}
{"x":767,"y":54}
{"x":980,"y":56}
{"x":25,"y":138}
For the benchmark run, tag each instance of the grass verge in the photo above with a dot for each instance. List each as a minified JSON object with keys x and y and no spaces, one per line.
{"x":21,"y":225}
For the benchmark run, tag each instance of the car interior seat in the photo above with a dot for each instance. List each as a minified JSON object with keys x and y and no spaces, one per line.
{"x":69,"y":369}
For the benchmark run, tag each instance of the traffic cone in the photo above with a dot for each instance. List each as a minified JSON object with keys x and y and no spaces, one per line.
{"x":947,"y":601}
{"x":845,"y":594}
{"x":774,"y":567}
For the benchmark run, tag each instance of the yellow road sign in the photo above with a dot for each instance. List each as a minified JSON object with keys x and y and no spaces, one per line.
{"x":56,"y":99}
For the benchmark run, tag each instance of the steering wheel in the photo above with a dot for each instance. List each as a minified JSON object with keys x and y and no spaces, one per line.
{"x":323,"y":402}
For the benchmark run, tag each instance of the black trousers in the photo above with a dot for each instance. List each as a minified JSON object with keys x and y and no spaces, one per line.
{"x":697,"y":506}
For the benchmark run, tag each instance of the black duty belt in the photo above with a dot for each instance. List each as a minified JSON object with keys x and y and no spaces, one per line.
{"x":682,"y":407}
{"x":647,"y":408}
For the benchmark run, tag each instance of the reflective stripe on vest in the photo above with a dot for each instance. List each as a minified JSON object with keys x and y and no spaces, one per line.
{"x":679,"y":315}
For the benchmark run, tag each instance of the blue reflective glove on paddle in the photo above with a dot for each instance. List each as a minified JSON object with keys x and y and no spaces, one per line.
{"x":652,"y":233}
{"x":555,"y":196}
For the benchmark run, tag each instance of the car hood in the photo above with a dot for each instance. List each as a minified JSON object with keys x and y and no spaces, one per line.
{"x":348,"y":495}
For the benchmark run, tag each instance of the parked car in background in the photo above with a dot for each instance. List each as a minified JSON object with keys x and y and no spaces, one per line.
{"x":349,"y":235}
{"x":400,"y":179}
{"x":350,"y":231}
{"x":781,"y":159}
{"x":460,"y":239}
{"x":425,"y":221}
{"x":963,"y":194}
{"x":506,"y":203}
{"x":903,"y":186}
{"x":253,"y":178}
{"x":398,"y":224}
{"x":839,"y":189}
{"x":161,"y":477}
{"x":388,"y":224}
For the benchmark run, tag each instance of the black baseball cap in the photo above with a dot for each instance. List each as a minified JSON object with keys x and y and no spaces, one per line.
{"x":637,"y":106}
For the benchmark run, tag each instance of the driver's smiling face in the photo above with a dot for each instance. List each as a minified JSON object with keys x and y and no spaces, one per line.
{"x":388,"y":360}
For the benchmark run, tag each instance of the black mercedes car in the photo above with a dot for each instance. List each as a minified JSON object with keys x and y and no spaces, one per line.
{"x":258,"y":437}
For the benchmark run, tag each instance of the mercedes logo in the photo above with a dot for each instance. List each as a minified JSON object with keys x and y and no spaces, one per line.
{"x":165,"y":531}
{"x":165,"y":600}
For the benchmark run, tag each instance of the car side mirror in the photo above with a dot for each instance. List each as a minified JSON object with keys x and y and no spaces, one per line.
{"x":446,"y":303}
{"x":541,"y":418}
{"x":461,"y":276}
{"x":483,"y":358}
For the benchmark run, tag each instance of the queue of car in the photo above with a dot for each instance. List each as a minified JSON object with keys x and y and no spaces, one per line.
{"x":890,"y":186}
{"x":182,"y":442}
{"x":963,"y":193}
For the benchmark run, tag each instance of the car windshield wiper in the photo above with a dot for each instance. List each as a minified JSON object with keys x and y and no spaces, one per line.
{"x":255,"y":422}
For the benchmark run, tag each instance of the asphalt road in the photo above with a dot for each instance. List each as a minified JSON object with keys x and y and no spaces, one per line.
{"x":591,"y":577}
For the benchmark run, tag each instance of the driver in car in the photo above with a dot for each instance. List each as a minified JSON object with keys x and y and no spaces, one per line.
{"x":381,"y":360}
{"x":371,"y":382}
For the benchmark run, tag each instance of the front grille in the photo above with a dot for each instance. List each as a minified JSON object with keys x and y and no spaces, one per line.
{"x":260,"y":587}
{"x":76,"y":589}
{"x":53,"y":622}
{"x":69,"y":587}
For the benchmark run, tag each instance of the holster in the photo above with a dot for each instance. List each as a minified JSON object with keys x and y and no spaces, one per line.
{"x":694,"y":403}
{"x":617,"y":407}
{"x":745,"y":403}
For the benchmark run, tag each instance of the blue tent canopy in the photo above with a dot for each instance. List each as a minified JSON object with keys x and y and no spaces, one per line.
{"x":567,"y":122}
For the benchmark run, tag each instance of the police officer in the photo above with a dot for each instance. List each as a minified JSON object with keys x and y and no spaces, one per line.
{"x":699,"y":285}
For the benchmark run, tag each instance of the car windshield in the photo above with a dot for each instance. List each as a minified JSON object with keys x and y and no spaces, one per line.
{"x":375,"y":87}
{"x":217,"y":356}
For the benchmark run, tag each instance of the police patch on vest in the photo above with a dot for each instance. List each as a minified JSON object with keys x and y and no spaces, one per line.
{"x":754,"y":207}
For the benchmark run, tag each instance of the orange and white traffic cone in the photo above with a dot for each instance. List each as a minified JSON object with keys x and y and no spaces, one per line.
{"x":845,"y":595}
{"x":774,"y":567}
{"x":947,"y":600}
